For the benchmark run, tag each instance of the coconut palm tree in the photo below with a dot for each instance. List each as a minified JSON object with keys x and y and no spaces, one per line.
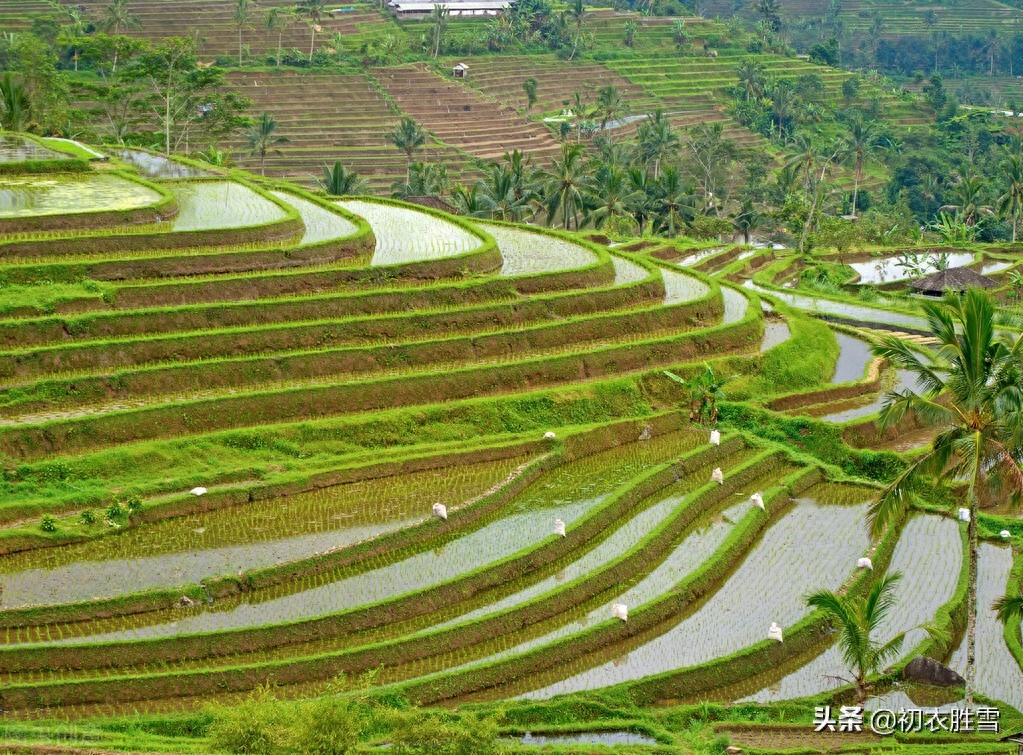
{"x":1010,"y":203}
{"x":15,"y":105}
{"x":242,"y":18}
{"x":752,"y":80}
{"x":425,"y":180}
{"x":498,"y":195}
{"x":609,"y":104}
{"x":971,"y":391}
{"x":861,"y":143}
{"x":276,"y":20}
{"x":116,"y":17}
{"x":674,"y":202}
{"x":611,"y":195}
{"x":469,"y":201}
{"x":856,"y":618}
{"x":658,"y":141}
{"x":968,"y":194}
{"x":262,"y":139}
{"x":314,"y":9}
{"x":563,"y":189}
{"x":339,"y":181}
{"x":439,"y":16}
{"x":408,"y":136}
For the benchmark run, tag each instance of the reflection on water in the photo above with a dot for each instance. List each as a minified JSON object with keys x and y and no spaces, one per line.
{"x":16,"y":149}
{"x":853,"y":356}
{"x":889,"y":269}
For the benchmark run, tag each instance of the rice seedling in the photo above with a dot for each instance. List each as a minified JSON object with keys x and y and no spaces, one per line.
{"x":320,"y":223}
{"x":679,"y":288}
{"x":17,"y":149}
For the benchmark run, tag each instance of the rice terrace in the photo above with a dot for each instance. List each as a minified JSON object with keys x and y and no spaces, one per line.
{"x":511,"y":376}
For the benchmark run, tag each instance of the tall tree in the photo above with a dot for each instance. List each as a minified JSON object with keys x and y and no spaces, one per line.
{"x":314,"y":9}
{"x":262,"y":139}
{"x":188,"y":100}
{"x":1010,"y":203}
{"x":276,"y":20}
{"x":117,"y":17}
{"x":971,"y":390}
{"x":610,"y":105}
{"x":674,"y":202}
{"x":408,"y":136}
{"x":611,"y":196}
{"x":439,"y":17}
{"x":242,"y":15}
{"x":658,"y":141}
{"x":861,"y":143}
{"x":752,"y":79}
{"x":563,"y":189}
{"x":499,"y":197}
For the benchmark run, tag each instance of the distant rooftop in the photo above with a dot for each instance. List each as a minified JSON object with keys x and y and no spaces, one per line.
{"x":455,"y":7}
{"x":953,"y":279}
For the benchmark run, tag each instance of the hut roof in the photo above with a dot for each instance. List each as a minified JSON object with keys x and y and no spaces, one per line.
{"x":954,"y":279}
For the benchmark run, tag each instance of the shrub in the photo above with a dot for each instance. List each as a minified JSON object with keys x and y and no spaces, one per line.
{"x":424,"y":734}
{"x":115,"y":511}
{"x":48,"y":524}
{"x":88,"y":517}
{"x":256,"y":726}
{"x":330,"y":725}
{"x":132,"y":502}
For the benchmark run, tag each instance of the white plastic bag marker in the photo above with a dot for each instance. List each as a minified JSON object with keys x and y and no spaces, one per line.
{"x":774,"y":633}
{"x":620,"y":611}
{"x":865,"y":563}
{"x":549,"y":435}
{"x":757,"y":500}
{"x":715,"y":438}
{"x":440,"y":511}
{"x":717,"y":476}
{"x":198,"y":491}
{"x":964,"y":515}
{"x":559,"y":527}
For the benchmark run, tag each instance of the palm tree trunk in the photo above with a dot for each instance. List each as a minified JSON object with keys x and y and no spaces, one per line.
{"x":312,"y":41}
{"x":1015,"y":224}
{"x":280,"y":39}
{"x":971,"y":605}
{"x":239,"y":46}
{"x":856,"y":190}
{"x":262,"y":162}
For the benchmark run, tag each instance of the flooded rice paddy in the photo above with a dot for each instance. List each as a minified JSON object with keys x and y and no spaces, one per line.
{"x":320,"y":223}
{"x":568,"y":492}
{"x":213,"y":205}
{"x":679,"y":288}
{"x":259,"y":534}
{"x":404,"y":235}
{"x":31,"y":196}
{"x":929,"y":554}
{"x":17,"y":149}
{"x":529,"y":252}
{"x":768,"y":586}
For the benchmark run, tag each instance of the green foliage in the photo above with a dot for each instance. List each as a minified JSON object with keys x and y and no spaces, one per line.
{"x":115,"y":511}
{"x":48,"y":523}
{"x":258,"y":725}
{"x":330,"y":725}
{"x":88,"y":517}
{"x":425,"y":733}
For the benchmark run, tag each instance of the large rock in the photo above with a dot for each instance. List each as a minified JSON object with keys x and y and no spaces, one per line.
{"x":926,"y":670}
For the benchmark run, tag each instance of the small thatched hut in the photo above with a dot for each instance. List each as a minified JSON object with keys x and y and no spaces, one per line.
{"x":956,"y":279}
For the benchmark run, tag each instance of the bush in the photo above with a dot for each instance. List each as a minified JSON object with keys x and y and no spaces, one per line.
{"x":425,"y":734}
{"x":88,"y":517}
{"x":48,"y":524}
{"x":330,"y":726}
{"x":115,"y":511}
{"x":256,"y":726}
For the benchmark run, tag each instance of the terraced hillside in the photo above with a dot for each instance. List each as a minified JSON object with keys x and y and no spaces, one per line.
{"x":276,"y":437}
{"x":457,"y":115}
{"x":212,"y":21}
{"x":327,"y":117}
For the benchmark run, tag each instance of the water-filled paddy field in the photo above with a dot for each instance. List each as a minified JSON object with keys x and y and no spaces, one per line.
{"x":529,"y":252}
{"x":29,"y":196}
{"x":212,"y":205}
{"x":405,"y":235}
{"x":783,"y":567}
{"x":16,"y":149}
{"x":191,"y":548}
